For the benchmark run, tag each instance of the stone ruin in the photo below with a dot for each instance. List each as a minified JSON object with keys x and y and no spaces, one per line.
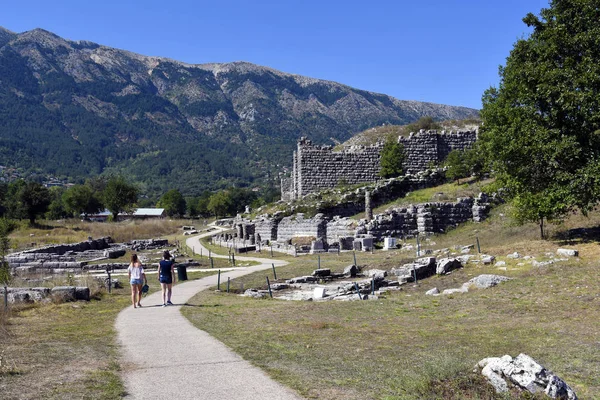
{"x":332,"y":234}
{"x":76,"y":257}
{"x":323,"y":284}
{"x":315,"y":168}
{"x":42,"y":294}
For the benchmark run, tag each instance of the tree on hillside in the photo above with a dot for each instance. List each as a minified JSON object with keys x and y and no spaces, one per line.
{"x":541,"y":126}
{"x":456,"y":166}
{"x":35,"y":199}
{"x":119,"y":195}
{"x":81,"y":199}
{"x":392,"y":159}
{"x":219,"y":203}
{"x":173,"y":203}
{"x":426,"y":123}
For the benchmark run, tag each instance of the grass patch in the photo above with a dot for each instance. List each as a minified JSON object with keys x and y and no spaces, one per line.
{"x":71,"y":231}
{"x":411,"y":346}
{"x":64,"y":350}
{"x":69,"y":350}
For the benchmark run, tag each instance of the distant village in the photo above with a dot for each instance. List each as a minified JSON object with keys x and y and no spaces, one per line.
{"x":8,"y":174}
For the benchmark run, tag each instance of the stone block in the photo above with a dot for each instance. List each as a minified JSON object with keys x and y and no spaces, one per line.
{"x":389,"y":243}
{"x":318,"y":293}
{"x":568,"y":252}
{"x":64,"y":293}
{"x":82,"y":293}
{"x":351,"y":270}
{"x":322,"y":272}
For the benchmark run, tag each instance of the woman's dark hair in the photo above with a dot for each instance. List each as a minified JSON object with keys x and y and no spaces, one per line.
{"x":134,"y":258}
{"x":167,"y":255}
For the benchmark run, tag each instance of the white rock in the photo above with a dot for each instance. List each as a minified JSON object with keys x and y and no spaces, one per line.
{"x":486,"y":281}
{"x":452,"y":291}
{"x":487,"y":260}
{"x":567,"y":252}
{"x":318,"y":293}
{"x":432,"y":292}
{"x":495,"y":379}
{"x":514,"y":255}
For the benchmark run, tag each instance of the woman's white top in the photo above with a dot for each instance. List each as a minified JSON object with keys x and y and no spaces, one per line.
{"x":136,"y":272}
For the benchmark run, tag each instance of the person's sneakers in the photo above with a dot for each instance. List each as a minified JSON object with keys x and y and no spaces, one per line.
{"x":169,"y":303}
{"x":164,"y":304}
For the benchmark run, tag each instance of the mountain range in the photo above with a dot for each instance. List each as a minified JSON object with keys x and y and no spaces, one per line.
{"x":75,"y":109}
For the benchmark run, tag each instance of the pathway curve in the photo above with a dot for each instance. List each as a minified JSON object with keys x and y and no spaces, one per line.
{"x":166,"y":357}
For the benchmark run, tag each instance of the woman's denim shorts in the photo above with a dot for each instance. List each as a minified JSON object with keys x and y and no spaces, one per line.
{"x":136,"y":281}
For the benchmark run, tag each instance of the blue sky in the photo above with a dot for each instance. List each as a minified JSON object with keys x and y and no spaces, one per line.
{"x":445,"y":52}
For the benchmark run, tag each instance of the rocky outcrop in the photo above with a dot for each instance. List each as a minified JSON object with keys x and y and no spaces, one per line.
{"x":526,"y":374}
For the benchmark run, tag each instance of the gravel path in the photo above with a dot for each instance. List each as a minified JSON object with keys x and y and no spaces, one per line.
{"x":166,"y":357}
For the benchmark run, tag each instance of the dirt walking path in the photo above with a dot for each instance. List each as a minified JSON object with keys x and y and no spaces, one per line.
{"x":166,"y":357}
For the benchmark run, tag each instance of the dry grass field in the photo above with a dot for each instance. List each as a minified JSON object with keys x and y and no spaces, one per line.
{"x":407,"y":345}
{"x":404,"y":345}
{"x":69,"y":350}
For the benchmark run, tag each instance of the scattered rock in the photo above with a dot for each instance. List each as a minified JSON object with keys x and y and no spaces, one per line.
{"x":487,"y":259}
{"x":487,"y":280}
{"x":432,"y":292}
{"x":567,"y":252}
{"x":376,"y":274}
{"x":525,"y":373}
{"x":445,"y":265}
{"x":279,"y":286}
{"x":322,"y":272}
{"x":254,"y":293}
{"x":302,"y":279}
{"x":514,"y":255}
{"x":462,"y":289}
{"x":109,"y":253}
{"x":351,"y":270}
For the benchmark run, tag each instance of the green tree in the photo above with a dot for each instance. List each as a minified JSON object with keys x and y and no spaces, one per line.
{"x":475,"y":161}
{"x":202,"y":205}
{"x":14,"y":208}
{"x":456,"y":166}
{"x":173,"y":203}
{"x":426,"y":123}
{"x":541,"y":125}
{"x":5,"y":276}
{"x":81,"y":199}
{"x":119,"y":196}
{"x":35,"y":199}
{"x":56,"y":209}
{"x":392,"y":159}
{"x":219,"y":203}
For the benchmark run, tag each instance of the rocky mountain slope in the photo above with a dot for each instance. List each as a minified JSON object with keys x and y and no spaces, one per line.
{"x":76,"y":108}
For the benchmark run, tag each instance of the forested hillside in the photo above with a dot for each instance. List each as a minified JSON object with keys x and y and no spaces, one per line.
{"x":76,"y":109}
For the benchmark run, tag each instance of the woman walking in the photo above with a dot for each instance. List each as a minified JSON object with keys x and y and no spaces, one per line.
{"x":166,"y":277}
{"x":137,"y":278}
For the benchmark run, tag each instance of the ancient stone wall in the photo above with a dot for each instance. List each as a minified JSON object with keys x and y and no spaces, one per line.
{"x":425,"y":218}
{"x":298,"y":226}
{"x":319,"y":167}
{"x":400,"y":222}
{"x":287,"y":188}
{"x":424,"y":149}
